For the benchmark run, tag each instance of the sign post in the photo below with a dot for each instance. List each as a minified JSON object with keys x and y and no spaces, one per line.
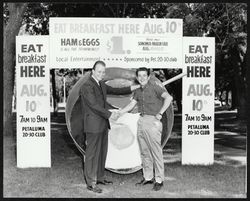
{"x":33,"y":101}
{"x":198,"y":100}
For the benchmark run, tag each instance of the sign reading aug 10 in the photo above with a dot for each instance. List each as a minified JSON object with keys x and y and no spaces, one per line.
{"x":198,"y":65}
{"x":127,"y":28}
{"x":123,"y":42}
{"x":32,"y":55}
{"x":33,"y":101}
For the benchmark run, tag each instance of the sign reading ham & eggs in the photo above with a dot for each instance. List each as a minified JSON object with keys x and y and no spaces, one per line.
{"x":119,"y":42}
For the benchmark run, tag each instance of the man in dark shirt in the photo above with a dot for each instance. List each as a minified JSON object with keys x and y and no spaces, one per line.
{"x":152,"y":100}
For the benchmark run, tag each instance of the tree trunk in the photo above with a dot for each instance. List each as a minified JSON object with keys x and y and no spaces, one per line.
{"x":226,"y":100}
{"x":241,"y":99}
{"x":233,"y":96}
{"x":16,"y":11}
{"x":242,"y":113}
{"x":239,"y":62}
{"x":248,"y":96}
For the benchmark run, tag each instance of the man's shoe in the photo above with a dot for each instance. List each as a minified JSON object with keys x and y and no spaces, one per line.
{"x":104,"y":182}
{"x":157,"y":186}
{"x":95,"y":189}
{"x":145,"y":182}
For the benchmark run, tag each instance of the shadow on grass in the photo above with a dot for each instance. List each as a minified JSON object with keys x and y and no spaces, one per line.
{"x":59,"y":127}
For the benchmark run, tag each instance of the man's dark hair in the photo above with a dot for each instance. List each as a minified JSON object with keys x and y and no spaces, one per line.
{"x":142,"y":69}
{"x":98,"y":62}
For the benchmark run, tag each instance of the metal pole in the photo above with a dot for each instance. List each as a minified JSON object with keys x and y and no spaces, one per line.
{"x":174,"y":79}
{"x":64,"y":90}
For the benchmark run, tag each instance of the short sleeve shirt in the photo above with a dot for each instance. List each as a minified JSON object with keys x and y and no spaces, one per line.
{"x":149,"y":98}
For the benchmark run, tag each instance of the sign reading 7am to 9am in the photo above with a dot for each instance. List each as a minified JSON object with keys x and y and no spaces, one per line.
{"x":119,"y":42}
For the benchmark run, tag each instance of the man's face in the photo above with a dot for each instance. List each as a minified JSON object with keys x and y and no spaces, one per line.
{"x":99,"y":72}
{"x":143,"y":77}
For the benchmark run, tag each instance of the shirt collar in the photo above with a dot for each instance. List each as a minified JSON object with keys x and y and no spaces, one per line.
{"x":95,"y":79}
{"x":145,"y":86}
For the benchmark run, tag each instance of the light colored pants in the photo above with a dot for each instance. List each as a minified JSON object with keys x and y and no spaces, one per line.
{"x":149,"y":139}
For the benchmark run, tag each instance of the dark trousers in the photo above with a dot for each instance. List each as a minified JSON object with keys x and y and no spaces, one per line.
{"x":95,"y":156}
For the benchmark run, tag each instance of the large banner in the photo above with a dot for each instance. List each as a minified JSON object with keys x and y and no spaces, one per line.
{"x":33,"y":101}
{"x":119,"y":42}
{"x":198,"y":100}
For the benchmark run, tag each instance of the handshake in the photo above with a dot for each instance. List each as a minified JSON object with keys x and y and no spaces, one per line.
{"x":115,"y":115}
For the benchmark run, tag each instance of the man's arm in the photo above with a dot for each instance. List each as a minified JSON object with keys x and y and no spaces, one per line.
{"x":128,"y":107}
{"x":167,"y":100}
{"x":121,"y":91}
{"x":87,"y":93}
{"x":134,"y":87}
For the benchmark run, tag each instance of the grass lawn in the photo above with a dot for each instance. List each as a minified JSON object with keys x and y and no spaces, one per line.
{"x":225,"y":179}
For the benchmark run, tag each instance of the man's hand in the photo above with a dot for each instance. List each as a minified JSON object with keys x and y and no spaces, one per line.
{"x":114,"y":116}
{"x":120,"y":112}
{"x":134,"y":87}
{"x":158,"y":116}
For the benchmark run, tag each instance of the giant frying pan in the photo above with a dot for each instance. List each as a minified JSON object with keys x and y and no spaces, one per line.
{"x":116,"y":77}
